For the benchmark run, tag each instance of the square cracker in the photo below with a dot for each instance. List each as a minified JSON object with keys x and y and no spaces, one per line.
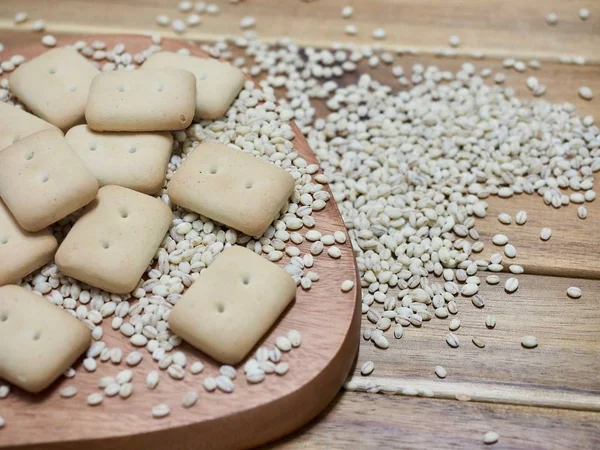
{"x":115,"y":239}
{"x":55,"y":86}
{"x":17,"y":124}
{"x":132,"y":100}
{"x":217,"y":83}
{"x":38,"y":341}
{"x":232,"y":305}
{"x":21,"y":252}
{"x":231,"y":187}
{"x":136,"y":161}
{"x":42,"y":180}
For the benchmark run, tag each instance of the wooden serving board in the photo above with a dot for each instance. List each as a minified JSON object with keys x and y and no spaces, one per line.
{"x":328,"y":319}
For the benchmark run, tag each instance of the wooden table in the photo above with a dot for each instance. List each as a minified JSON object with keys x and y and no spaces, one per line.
{"x":560,"y":376}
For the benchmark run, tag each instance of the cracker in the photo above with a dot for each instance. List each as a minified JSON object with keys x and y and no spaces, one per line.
{"x":115,"y":239}
{"x":231,"y":187}
{"x":42,"y":180}
{"x":17,"y":124}
{"x":136,"y":161}
{"x":132,"y":100}
{"x":38,"y":341}
{"x":232,"y":305}
{"x":55,"y":86}
{"x":217,"y":83}
{"x":22,"y":252}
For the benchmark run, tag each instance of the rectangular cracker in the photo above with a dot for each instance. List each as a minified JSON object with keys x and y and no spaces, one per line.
{"x":132,"y":100}
{"x":42,"y":180}
{"x":136,"y":161}
{"x":115,"y":239}
{"x":17,"y":124}
{"x":217,"y":83}
{"x":232,"y":305}
{"x":38,"y":341}
{"x":55,"y":86}
{"x":22,"y":252}
{"x":231,"y":187}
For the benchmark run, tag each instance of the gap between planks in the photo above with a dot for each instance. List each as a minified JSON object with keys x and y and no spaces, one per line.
{"x":493,"y":393}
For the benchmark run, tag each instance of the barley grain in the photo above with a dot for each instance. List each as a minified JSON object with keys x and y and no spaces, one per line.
{"x":510,"y":250}
{"x":545,"y":234}
{"x":295,"y":338}
{"x":68,"y":392}
{"x":504,"y":218}
{"x":478,"y":342}
{"x":511,"y":285}
{"x":440,"y":372}
{"x":160,"y":411}
{"x":490,"y":321}
{"x":225,"y":384}
{"x":210,"y":384}
{"x":516,"y":269}
{"x":586,"y":93}
{"x":152,"y":379}
{"x":500,"y":239}
{"x":454,"y":324}
{"x":452,"y":340}
{"x":491,"y":437}
{"x":189,"y":399}
{"x":95,"y":399}
{"x":367,"y":368}
{"x":529,"y":342}
{"x":347,"y":286}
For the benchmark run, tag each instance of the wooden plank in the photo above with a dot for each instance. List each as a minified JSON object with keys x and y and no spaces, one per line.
{"x":377,"y":421}
{"x":563,"y":367}
{"x":572,"y":251}
{"x":500,"y":28}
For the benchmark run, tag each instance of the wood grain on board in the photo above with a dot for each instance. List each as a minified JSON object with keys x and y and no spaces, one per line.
{"x":509,"y":27}
{"x":318,"y":368}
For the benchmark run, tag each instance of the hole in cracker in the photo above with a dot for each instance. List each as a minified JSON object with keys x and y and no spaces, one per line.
{"x":45,"y":177}
{"x":200,"y":76}
{"x":4,"y":241}
{"x":160,"y":87}
{"x":52,"y":70}
{"x":248,"y":184}
{"x":105,"y":245}
{"x":121,"y":89}
{"x":3,"y":317}
{"x":93,"y":147}
{"x":36,"y":336}
{"x":124,"y":214}
{"x":29,"y":156}
{"x":72,"y":87}
{"x":221,"y":308}
{"x":132,"y":150}
{"x":182,"y":118}
{"x":246,"y":279}
{"x":213,"y":170}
